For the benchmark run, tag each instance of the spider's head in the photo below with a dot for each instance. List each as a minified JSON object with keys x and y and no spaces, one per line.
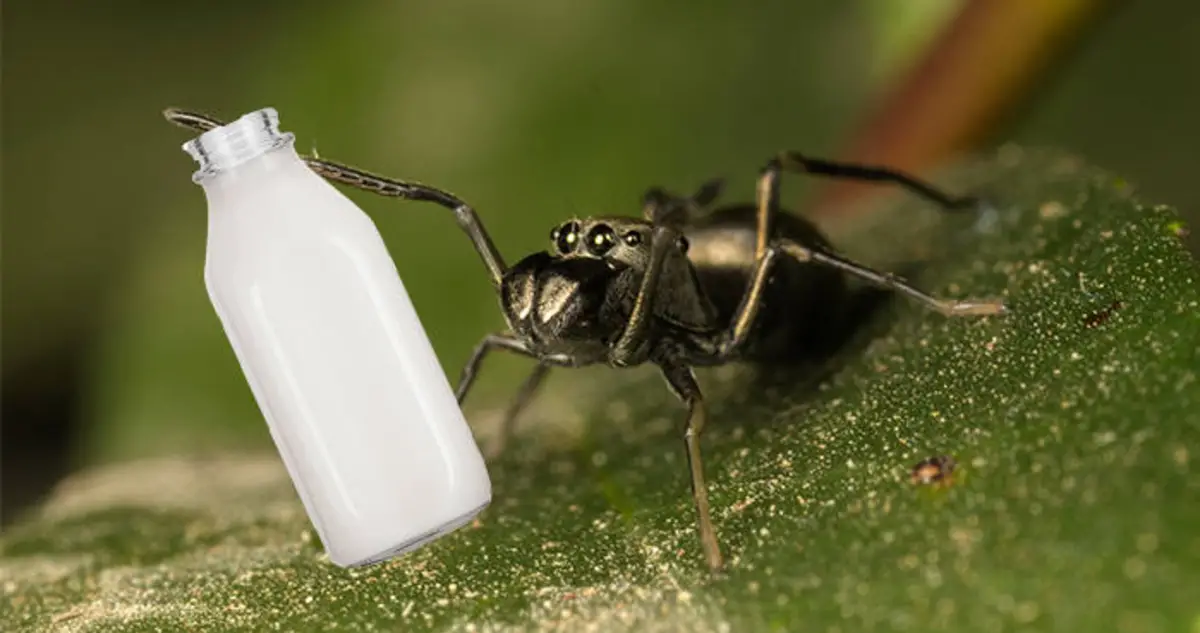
{"x":625,"y":241}
{"x":619,"y":241}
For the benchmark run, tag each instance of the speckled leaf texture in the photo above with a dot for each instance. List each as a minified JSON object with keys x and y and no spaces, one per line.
{"x":1074,"y":422}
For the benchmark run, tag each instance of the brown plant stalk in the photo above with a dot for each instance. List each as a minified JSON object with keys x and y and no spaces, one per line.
{"x":975,"y":76}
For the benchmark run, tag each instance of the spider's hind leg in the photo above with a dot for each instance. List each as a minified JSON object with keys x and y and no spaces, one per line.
{"x":768,"y":210}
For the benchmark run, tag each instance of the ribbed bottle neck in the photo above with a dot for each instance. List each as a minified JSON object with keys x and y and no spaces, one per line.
{"x":223,"y":148}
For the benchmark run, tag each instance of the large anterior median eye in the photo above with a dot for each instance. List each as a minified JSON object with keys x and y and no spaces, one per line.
{"x":566,"y":237}
{"x":601,"y":239}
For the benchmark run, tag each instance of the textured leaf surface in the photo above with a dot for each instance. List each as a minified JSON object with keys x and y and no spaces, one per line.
{"x":1074,"y":421}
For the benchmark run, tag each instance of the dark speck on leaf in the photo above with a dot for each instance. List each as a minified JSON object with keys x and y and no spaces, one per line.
{"x":1099,"y":317}
{"x":933,"y":470}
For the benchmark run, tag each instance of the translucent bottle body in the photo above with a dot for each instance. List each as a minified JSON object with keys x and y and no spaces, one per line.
{"x":338,"y":362}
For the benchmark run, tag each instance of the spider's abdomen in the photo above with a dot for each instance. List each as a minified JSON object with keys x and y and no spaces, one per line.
{"x":562,"y":305}
{"x":802,"y":304}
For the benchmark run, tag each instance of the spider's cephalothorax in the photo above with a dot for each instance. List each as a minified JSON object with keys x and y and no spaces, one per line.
{"x":575,"y":300}
{"x":684,"y":285}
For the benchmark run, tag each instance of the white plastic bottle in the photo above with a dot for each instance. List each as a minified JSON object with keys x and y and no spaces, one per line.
{"x":335,"y":355}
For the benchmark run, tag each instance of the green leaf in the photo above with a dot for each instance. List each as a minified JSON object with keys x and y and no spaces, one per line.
{"x":1073,"y":422}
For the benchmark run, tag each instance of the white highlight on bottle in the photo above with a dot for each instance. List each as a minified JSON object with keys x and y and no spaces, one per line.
{"x":335,"y":355}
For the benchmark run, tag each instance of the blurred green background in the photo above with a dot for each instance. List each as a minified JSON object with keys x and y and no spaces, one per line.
{"x":532,"y":110}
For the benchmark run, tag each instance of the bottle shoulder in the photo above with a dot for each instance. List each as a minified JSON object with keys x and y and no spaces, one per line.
{"x":290,"y":219}
{"x":285,"y":198}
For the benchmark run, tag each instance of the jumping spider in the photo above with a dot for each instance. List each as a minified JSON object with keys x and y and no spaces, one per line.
{"x":680,"y":287}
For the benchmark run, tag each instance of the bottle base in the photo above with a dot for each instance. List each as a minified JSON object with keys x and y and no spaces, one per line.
{"x":420,"y":541}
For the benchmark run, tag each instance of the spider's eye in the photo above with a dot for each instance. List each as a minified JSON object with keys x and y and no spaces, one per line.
{"x":566,"y":237}
{"x":633,"y":238}
{"x":601,"y":239}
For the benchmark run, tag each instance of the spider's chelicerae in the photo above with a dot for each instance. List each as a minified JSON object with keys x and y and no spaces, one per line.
{"x":686,"y":284}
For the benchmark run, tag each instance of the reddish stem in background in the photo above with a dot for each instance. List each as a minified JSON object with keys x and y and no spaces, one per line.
{"x":976,"y":74}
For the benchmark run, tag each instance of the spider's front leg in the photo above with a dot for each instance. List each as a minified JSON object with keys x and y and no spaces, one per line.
{"x":466,"y":217}
{"x":489,"y":343}
{"x":525,"y":392}
{"x":632,"y":346}
{"x":667,"y":216}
